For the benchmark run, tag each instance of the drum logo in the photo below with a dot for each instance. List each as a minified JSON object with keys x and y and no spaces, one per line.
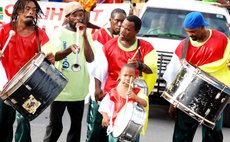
{"x":65,"y":63}
{"x":31,"y":104}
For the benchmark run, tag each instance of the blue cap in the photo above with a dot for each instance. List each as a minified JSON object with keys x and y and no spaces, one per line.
{"x":194,"y":20}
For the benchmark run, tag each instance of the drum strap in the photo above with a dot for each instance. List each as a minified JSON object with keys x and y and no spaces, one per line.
{"x":37,"y":37}
{"x":184,"y":51}
{"x":139,"y":58}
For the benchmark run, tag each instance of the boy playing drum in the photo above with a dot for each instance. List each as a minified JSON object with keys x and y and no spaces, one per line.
{"x":117,"y":98}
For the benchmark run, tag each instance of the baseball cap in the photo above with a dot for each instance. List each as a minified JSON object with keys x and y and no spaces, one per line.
{"x":72,"y":7}
{"x":194,"y":20}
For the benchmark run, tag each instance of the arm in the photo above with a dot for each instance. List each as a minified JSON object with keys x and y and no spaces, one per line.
{"x":63,"y":53}
{"x":98,"y":91}
{"x":101,"y":73}
{"x":106,"y":109}
{"x":144,"y":68}
{"x":140,"y":65}
{"x":105,"y":120}
{"x":89,"y":56}
{"x":141,"y":101}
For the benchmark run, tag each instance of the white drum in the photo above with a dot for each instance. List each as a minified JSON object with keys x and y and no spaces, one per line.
{"x":129,"y":122}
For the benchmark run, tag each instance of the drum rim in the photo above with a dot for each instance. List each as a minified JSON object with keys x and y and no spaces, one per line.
{"x":207,"y":77}
{"x":37,"y":59}
{"x":130,"y":104}
{"x":180,"y":105}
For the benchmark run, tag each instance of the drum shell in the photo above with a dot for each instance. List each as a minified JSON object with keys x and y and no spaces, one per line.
{"x":129,"y":122}
{"x":43,"y":85}
{"x":198,"y":94}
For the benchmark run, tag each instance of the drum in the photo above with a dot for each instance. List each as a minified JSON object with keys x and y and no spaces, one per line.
{"x":34,"y":87}
{"x":140,"y":83}
{"x":129,"y":122}
{"x":198,"y":94}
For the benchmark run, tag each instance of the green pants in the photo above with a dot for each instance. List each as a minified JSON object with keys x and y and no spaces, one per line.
{"x":185,"y":128}
{"x":7,"y":117}
{"x":22,"y":133}
{"x":95,"y":131}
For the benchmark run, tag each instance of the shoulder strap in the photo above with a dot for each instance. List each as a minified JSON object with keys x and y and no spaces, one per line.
{"x":184,"y":51}
{"x":139,"y":57}
{"x":37,"y":36}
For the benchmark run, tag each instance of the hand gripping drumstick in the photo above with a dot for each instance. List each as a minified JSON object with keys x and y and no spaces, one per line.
{"x":127,"y":97}
{"x":135,"y":53}
{"x":11,"y":33}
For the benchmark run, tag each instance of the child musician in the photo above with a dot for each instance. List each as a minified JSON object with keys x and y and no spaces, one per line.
{"x":116,"y":99}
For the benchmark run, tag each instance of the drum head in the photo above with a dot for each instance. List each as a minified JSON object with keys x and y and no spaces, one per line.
{"x":122,"y":119}
{"x":198,"y":94}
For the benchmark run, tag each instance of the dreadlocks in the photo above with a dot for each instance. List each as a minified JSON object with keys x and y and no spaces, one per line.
{"x":20,"y":5}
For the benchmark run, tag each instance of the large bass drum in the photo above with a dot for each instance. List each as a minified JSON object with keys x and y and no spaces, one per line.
{"x":198,"y":94}
{"x":34,"y":87}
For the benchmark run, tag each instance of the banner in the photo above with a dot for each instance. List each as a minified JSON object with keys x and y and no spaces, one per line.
{"x":54,"y":14}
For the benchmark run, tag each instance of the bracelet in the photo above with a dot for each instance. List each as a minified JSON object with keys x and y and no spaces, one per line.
{"x":140,"y":66}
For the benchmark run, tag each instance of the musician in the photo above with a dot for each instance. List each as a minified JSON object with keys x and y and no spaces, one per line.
{"x":120,"y":51}
{"x":209,"y":50}
{"x":95,"y":132}
{"x":88,"y":6}
{"x":20,"y":49}
{"x":72,"y":97}
{"x":116,"y":99}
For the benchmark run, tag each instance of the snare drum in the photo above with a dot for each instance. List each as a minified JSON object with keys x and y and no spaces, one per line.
{"x":34,"y":87}
{"x":129,"y":122}
{"x":198,"y":94}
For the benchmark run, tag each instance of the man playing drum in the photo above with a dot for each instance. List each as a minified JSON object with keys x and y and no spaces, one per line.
{"x":210,"y":51}
{"x":20,"y":49}
{"x":120,"y":51}
{"x":116,"y":99}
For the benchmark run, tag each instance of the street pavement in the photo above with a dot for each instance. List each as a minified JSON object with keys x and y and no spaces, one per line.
{"x":160,"y":128}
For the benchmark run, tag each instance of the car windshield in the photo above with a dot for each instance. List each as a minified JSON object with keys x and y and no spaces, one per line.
{"x":167,"y":23}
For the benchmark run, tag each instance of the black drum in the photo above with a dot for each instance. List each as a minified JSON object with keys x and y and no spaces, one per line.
{"x":198,"y":94}
{"x":34,"y":87}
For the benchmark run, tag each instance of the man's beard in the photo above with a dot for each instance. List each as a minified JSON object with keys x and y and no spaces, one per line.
{"x":73,"y":25}
{"x":29,"y":23}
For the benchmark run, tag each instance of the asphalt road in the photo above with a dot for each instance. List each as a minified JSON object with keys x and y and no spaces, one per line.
{"x":160,"y":128}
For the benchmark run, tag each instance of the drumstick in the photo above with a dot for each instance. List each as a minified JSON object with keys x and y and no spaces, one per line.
{"x":127,"y":97}
{"x":135,"y":53}
{"x":11,"y":33}
{"x":130,"y":81}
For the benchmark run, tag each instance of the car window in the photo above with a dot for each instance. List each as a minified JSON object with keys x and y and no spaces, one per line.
{"x":168,"y":23}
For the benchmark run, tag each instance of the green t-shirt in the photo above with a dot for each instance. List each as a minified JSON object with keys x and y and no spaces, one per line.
{"x":78,"y":82}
